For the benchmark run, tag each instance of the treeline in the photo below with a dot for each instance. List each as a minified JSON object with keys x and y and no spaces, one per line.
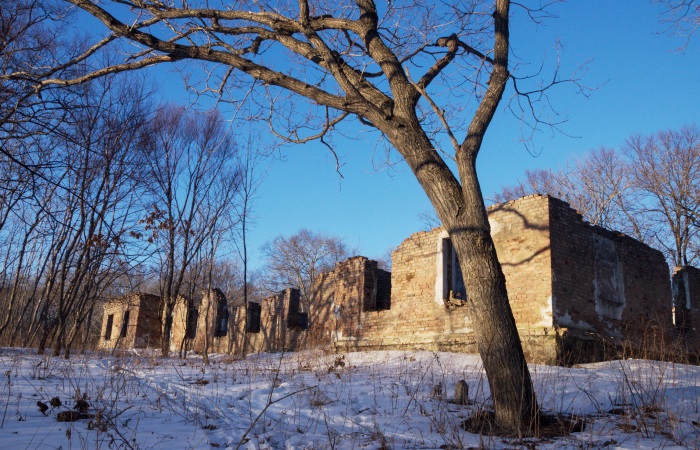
{"x":648,"y":189}
{"x":115,"y":196}
{"x":104,"y":193}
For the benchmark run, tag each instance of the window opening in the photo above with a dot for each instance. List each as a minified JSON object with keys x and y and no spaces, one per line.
{"x":295,"y":317}
{"x":454,"y":292}
{"x":221,"y":327}
{"x":125,"y":324}
{"x":191,"y":325}
{"x":378,"y":296}
{"x":252,"y":320}
{"x":108,"y":329}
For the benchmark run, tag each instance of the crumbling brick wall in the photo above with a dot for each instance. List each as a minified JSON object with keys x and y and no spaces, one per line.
{"x":609,"y":288}
{"x":203,"y":324}
{"x":421,"y":313}
{"x":212,"y":327}
{"x":347,"y":299}
{"x":183,"y":330}
{"x":562,"y":275}
{"x":142,"y":328}
{"x":283,"y":325}
{"x":571,"y":286}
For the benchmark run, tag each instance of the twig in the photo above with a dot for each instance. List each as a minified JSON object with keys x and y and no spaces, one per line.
{"x":7,"y":403}
{"x":270,"y":402}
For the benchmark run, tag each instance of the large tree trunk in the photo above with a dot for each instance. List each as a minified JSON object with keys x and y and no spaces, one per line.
{"x":462,"y":211}
{"x":463,"y":214}
{"x":167,"y":328}
{"x":491,"y":316}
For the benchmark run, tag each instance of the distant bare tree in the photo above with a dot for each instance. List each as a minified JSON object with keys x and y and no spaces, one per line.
{"x":252,"y":175}
{"x":69,"y":237}
{"x":429,"y":220}
{"x":666,"y":171}
{"x":95,"y":208}
{"x":384,"y":261}
{"x":540,"y":181}
{"x":192,"y":182}
{"x":298,"y":260}
{"x":651,"y":192}
{"x":598,"y":186}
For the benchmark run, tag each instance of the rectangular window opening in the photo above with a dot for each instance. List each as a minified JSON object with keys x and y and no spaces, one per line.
{"x":191,"y":325}
{"x":221,"y":326}
{"x":378,"y":293}
{"x":252,"y":320}
{"x":108,"y":329}
{"x":125,"y":325}
{"x":295,"y":317}
{"x":454,"y":290}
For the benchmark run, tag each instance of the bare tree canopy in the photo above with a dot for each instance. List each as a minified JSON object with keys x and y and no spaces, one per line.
{"x":192,"y":180}
{"x":598,"y":185}
{"x":649,"y":190}
{"x":297,"y":260}
{"x":666,"y":168}
{"x":683,"y":16}
{"x":428,"y":77}
{"x":69,"y":218}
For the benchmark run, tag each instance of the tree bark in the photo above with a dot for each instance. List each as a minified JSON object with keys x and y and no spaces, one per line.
{"x":463,"y":214}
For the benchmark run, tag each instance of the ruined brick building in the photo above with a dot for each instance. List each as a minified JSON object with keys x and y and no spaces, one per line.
{"x":573,"y":288}
{"x":133,"y":321}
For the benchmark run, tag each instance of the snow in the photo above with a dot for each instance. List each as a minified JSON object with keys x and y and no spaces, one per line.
{"x":317,"y":400}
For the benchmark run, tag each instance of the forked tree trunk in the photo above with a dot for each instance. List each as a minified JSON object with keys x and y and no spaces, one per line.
{"x":492,"y":319}
{"x":460,"y":206}
{"x":462,"y":211}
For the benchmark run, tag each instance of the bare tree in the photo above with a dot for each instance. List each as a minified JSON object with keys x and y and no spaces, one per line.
{"x":252,"y":176}
{"x":28,"y":40}
{"x":380,"y":66}
{"x":297,"y":261}
{"x":598,"y":185}
{"x":683,"y":16}
{"x":666,"y":171}
{"x":192,"y":182}
{"x":69,"y":231}
{"x":94,"y":209}
{"x":540,"y":181}
{"x":650,"y":192}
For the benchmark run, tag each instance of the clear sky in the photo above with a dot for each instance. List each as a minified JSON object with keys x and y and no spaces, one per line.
{"x":643,"y":84}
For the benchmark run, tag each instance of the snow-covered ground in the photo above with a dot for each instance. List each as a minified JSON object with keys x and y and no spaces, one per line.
{"x":314,"y":400}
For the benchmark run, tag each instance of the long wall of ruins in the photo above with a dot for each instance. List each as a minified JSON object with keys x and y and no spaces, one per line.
{"x":578,"y":293}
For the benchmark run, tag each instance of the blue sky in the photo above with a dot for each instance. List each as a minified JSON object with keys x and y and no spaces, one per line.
{"x":643,"y":84}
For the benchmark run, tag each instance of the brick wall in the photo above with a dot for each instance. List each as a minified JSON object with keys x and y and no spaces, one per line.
{"x":143,"y":327}
{"x":573,"y":289}
{"x":418,"y":316}
{"x":279,"y":327}
{"x":607,"y":286}
{"x":566,"y":280}
{"x":211,"y":333}
{"x":179,"y":340}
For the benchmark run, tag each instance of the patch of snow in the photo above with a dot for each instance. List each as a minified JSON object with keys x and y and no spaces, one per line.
{"x":315,"y":400}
